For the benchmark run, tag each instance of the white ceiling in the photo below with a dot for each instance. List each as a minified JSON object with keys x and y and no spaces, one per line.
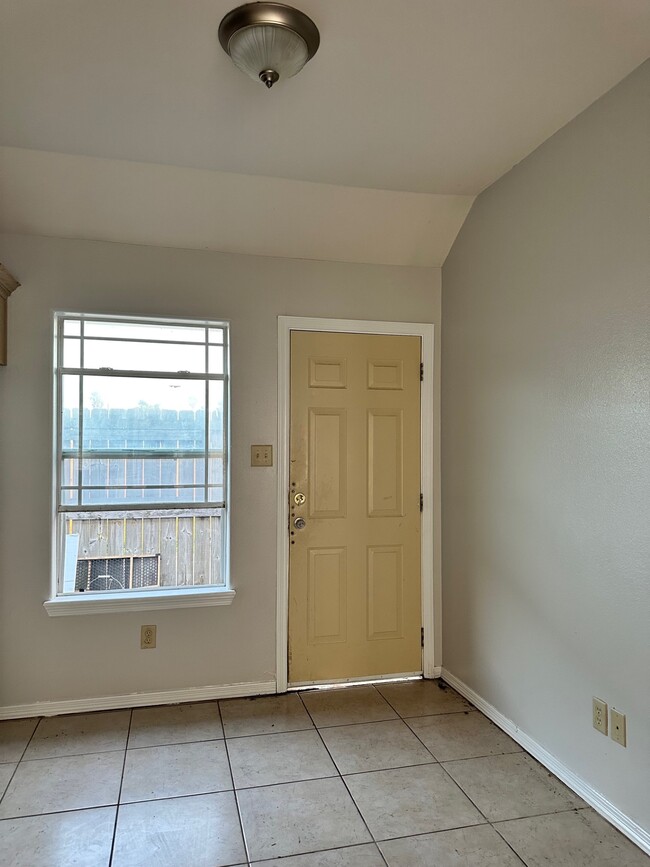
{"x":430,"y":97}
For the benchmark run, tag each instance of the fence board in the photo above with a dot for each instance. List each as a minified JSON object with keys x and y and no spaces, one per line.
{"x":134,"y":536}
{"x":185,"y":560}
{"x":167,"y":551}
{"x":201,"y":550}
{"x":88,"y":536}
{"x":215,"y":554}
{"x":151,"y":534}
{"x":114,"y":537}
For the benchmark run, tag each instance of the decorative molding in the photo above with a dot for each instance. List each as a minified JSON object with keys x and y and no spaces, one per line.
{"x":118,"y":603}
{"x":137,"y":699}
{"x":287,"y":324}
{"x":638,"y":835}
{"x":8,"y":284}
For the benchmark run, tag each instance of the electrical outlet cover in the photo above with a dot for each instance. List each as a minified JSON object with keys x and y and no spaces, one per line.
{"x":599,"y":715}
{"x":147,"y":637}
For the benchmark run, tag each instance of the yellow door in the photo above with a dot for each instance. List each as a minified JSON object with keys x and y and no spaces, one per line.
{"x":354,"y":567}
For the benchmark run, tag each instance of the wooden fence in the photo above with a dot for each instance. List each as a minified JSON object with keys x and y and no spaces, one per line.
{"x":189,"y":547}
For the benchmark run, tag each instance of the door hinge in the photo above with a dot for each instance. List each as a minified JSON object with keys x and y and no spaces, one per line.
{"x":422,"y":502}
{"x":422,"y":637}
{"x":421,"y":371}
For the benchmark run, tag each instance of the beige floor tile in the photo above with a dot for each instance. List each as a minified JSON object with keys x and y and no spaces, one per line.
{"x":6,"y":772}
{"x":295,"y":818}
{"x":76,"y":734}
{"x":175,"y":724}
{"x":338,"y":707}
{"x":423,"y":697}
{"x":262,"y":760}
{"x":462,"y":736}
{"x":374,"y":746}
{"x":479,"y":846}
{"x":201,"y":831}
{"x":14,"y":737}
{"x":511,"y":786}
{"x":66,"y":783}
{"x":409,"y":801}
{"x":175,"y":769}
{"x":366,"y":855}
{"x":579,"y":838}
{"x":264,"y":715}
{"x":82,"y":838}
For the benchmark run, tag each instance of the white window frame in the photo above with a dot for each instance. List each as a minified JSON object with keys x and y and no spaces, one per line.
{"x":116,"y":601}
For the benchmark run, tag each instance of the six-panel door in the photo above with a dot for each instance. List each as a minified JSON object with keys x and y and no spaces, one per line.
{"x":354,"y":577}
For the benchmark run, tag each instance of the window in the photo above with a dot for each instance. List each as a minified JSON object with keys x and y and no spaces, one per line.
{"x":142,"y":468}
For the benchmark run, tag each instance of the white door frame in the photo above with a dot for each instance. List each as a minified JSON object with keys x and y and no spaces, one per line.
{"x":287,"y":324}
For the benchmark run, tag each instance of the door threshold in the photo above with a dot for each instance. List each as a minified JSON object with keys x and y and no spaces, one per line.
{"x":354,"y":681}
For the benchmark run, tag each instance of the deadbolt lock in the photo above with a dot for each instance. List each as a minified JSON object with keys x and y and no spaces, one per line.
{"x":299,"y":499}
{"x":299,"y":523}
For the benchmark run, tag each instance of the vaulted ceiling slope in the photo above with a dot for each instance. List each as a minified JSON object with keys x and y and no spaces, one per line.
{"x":427,"y":97}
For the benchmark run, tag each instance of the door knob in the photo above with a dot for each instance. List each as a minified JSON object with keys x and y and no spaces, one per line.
{"x":299,"y":523}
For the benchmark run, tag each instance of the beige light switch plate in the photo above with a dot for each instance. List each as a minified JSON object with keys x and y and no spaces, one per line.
{"x":261,"y":456}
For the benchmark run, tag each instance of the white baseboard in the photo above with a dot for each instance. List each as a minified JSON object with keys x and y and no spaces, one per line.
{"x":607,"y":810}
{"x":137,"y":699}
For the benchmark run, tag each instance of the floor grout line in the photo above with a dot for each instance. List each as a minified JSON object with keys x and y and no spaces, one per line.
{"x":22,"y":755}
{"x":242,"y":830}
{"x":318,"y":852}
{"x":271,"y":785}
{"x":515,"y":853}
{"x":119,"y":794}
{"x":174,"y":744}
{"x":75,"y":755}
{"x":361,"y":816}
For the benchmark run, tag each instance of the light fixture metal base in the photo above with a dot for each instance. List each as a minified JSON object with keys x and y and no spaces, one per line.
{"x":278,"y":14}
{"x":269,"y":77}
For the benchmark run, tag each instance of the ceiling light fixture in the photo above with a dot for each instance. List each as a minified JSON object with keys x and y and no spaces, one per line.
{"x":268,"y":41}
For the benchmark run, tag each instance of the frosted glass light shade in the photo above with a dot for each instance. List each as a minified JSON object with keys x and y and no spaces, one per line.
{"x":268,"y":40}
{"x":268,"y":47}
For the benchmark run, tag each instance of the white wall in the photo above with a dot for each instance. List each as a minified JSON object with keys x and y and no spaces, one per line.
{"x":43,"y":658}
{"x":545,"y":463}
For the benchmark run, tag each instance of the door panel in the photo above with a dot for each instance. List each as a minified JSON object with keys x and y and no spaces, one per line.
{"x":327,"y":463}
{"x":354,"y":569}
{"x":327,"y":595}
{"x":385,"y":462}
{"x":385,"y":592}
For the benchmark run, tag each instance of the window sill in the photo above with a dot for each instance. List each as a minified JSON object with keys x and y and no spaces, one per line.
{"x":115,"y":603}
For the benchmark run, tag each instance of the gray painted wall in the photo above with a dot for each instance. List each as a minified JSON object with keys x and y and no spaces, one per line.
{"x":43,"y":658}
{"x":545,"y":463}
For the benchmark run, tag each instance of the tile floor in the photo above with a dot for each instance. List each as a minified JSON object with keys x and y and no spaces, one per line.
{"x":401,"y":775}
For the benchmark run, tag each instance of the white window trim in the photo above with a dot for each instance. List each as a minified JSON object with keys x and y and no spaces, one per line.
{"x":138,"y":600}
{"x":117,"y":602}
